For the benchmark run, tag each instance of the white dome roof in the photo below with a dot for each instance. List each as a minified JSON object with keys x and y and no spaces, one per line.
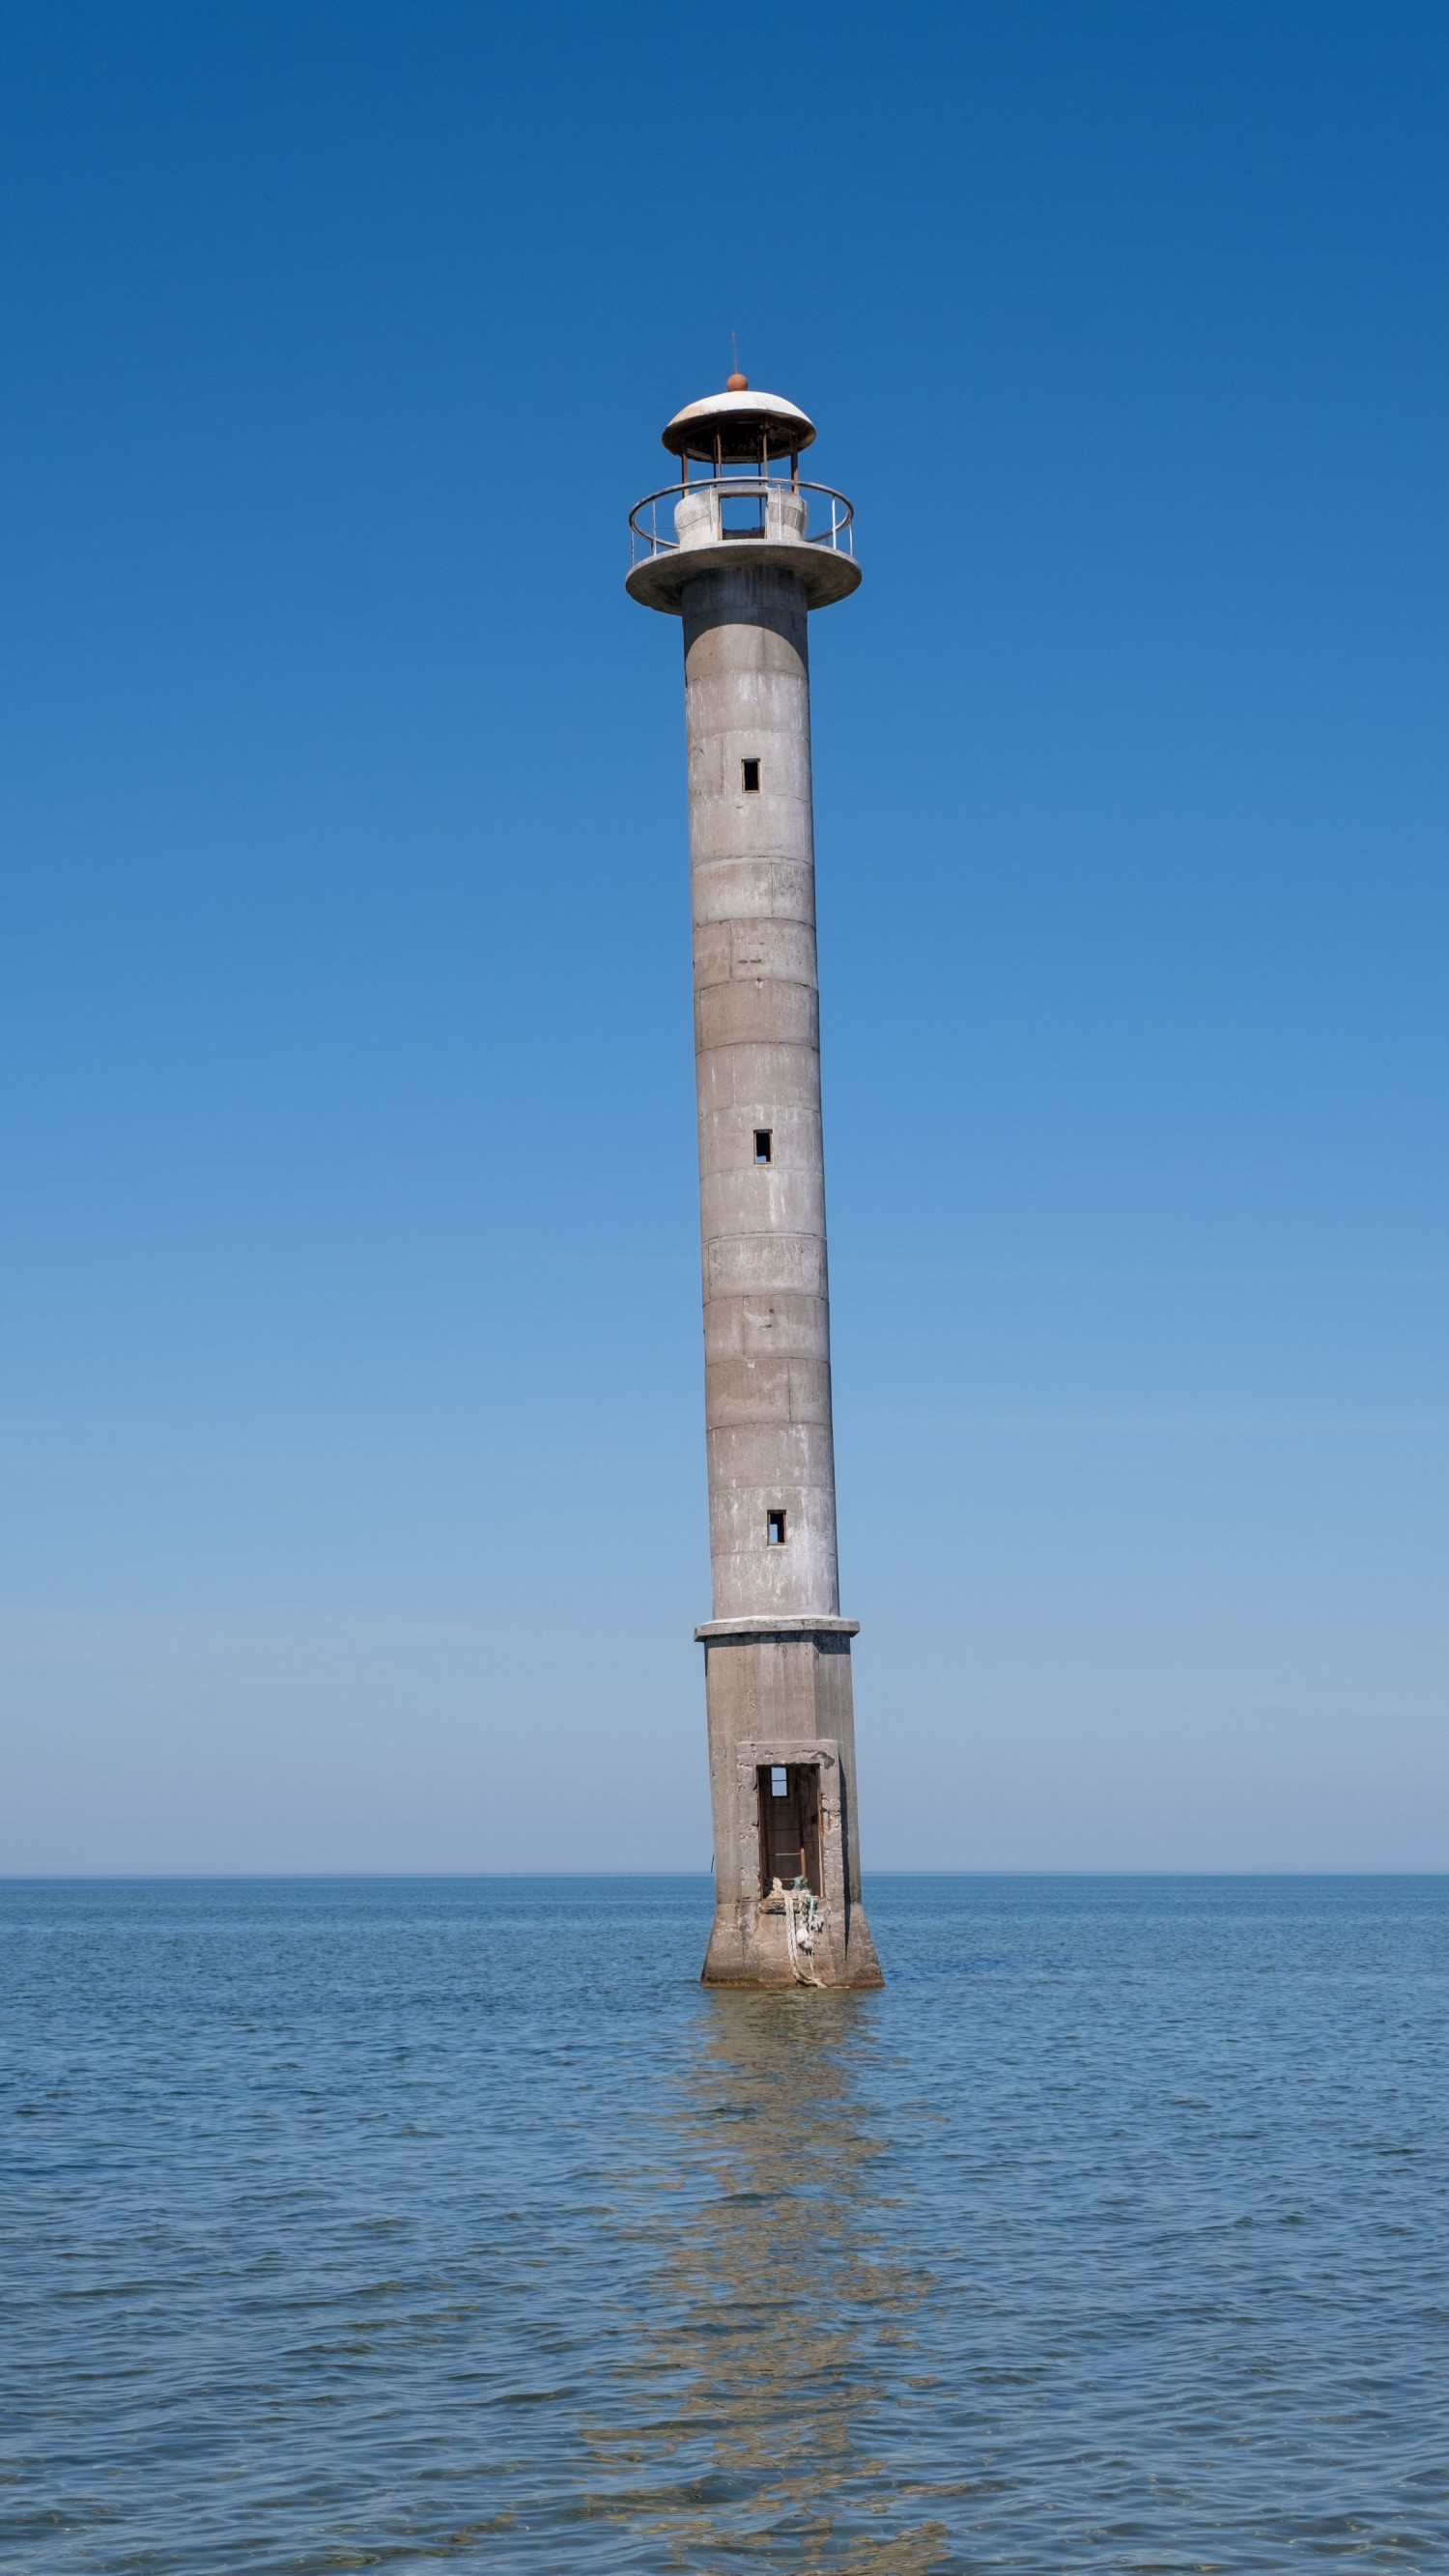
{"x":740,"y":422}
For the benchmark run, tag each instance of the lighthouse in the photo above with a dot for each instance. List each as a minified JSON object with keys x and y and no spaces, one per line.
{"x":741,"y":549}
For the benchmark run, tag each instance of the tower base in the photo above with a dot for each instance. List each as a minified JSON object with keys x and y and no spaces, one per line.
{"x":750,"y":1947}
{"x":782,"y":1776}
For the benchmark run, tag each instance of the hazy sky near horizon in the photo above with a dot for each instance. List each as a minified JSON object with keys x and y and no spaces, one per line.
{"x":353,"y":1499}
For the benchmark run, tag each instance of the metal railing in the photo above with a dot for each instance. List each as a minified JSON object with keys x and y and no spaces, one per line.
{"x":755,"y":492}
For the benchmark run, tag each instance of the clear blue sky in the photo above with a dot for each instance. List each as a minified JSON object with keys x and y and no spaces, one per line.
{"x":353,"y":1503}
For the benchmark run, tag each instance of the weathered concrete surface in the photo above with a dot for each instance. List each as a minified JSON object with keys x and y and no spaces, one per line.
{"x":778,"y":1676}
{"x":782,"y":1697}
{"x":826,"y":573}
{"x":757,"y":1066}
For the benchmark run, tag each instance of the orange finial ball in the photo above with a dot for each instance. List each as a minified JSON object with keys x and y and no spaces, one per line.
{"x":737,"y":384}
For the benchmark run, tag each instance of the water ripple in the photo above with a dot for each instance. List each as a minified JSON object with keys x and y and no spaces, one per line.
{"x":382,"y":2224}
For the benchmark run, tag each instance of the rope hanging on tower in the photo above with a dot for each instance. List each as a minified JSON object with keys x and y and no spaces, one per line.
{"x":804,"y":1920}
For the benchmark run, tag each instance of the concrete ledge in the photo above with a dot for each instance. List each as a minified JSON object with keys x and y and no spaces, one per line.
{"x":824,"y":576}
{"x":788,"y":1623}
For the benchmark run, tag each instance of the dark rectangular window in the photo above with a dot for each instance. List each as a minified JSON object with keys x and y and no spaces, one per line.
{"x":764,"y":1146}
{"x":742,"y":514}
{"x":777,"y":1529}
{"x":750,"y":775}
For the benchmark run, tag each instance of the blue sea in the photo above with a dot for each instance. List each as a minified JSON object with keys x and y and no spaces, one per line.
{"x":397,"y":2224}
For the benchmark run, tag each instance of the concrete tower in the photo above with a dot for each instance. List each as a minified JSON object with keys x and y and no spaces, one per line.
{"x":742,"y":552}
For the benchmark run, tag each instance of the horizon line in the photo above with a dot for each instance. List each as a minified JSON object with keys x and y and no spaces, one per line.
{"x":518,"y":1877}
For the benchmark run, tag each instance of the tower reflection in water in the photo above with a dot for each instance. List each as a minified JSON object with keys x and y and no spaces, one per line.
{"x":752,"y":2396}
